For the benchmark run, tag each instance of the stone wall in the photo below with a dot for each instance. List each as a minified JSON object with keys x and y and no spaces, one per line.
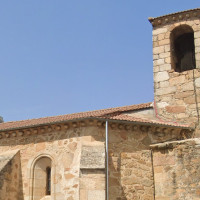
{"x":59,"y":143}
{"x":92,"y":184}
{"x":77,"y":155}
{"x":176,"y":170}
{"x":122,"y":145}
{"x":177,"y":94}
{"x":10,"y":176}
{"x":137,"y":175}
{"x":130,"y":160}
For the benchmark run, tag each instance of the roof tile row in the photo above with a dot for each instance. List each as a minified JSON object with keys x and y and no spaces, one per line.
{"x":110,"y":113}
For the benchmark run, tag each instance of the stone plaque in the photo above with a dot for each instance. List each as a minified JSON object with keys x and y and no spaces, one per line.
{"x":93,"y":157}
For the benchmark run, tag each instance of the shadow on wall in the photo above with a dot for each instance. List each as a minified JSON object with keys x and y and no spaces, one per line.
{"x":11,"y":186}
{"x":116,"y":190}
{"x":20,"y":186}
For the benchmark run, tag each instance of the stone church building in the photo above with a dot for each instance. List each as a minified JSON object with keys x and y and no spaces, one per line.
{"x":149,"y":151}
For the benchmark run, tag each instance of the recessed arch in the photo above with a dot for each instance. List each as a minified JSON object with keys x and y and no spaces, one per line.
{"x":42,"y":171}
{"x":182,"y":48}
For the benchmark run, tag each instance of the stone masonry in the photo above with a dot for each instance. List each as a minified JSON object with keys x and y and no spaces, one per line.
{"x":176,"y":170}
{"x":78,"y":159}
{"x":177,"y":94}
{"x":153,"y":148}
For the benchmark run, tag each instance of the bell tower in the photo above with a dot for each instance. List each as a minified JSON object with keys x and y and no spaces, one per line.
{"x":176,"y":66}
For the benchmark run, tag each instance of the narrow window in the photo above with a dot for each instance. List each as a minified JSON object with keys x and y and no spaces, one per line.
{"x":48,"y":181}
{"x":183,"y":50}
{"x":42,"y":183}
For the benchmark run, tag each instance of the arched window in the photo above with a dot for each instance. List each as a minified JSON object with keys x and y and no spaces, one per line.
{"x":42,"y":178}
{"x":182,"y":48}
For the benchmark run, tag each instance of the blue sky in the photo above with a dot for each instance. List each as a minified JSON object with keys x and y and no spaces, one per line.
{"x":66,"y":56}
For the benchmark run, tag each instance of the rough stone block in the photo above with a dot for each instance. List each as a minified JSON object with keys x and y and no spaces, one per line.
{"x":188,"y":86}
{"x":161,"y":36}
{"x":168,"y":61}
{"x":161,"y":76}
{"x":197,"y":42}
{"x":159,"y":62}
{"x":197,"y":49}
{"x":167,"y":48}
{"x":181,"y":95}
{"x":158,"y":50}
{"x":165,"y":67}
{"x":175,"y":109}
{"x":197,"y":82}
{"x":155,"y":38}
{"x":164,"y":91}
{"x":155,"y":56}
{"x":164,"y":42}
{"x":162,"y":104}
{"x":159,"y":31}
{"x":177,"y":80}
{"x":156,"y":69}
{"x":164,"y":84}
{"x":190,"y":100}
{"x":164,"y":55}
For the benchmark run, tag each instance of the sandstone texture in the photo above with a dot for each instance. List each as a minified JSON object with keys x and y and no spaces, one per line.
{"x":152,"y":151}
{"x":77,"y":159}
{"x":179,"y":90}
{"x":176,"y":170}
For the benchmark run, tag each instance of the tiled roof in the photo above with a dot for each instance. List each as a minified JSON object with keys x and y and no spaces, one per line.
{"x":124,"y":117}
{"x":175,"y":13}
{"x":62,"y":118}
{"x":118,"y":113}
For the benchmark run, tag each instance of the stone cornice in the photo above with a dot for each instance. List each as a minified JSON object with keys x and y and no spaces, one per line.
{"x":174,"y":17}
{"x":172,"y":144}
{"x":118,"y":126}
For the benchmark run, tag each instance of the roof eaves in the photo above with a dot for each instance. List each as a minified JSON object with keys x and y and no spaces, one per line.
{"x":69,"y":117}
{"x":101,"y":119}
{"x":154,"y":124}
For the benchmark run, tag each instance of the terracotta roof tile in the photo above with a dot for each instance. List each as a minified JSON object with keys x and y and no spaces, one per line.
{"x":124,"y":117}
{"x":118,"y":113}
{"x":62,"y":118}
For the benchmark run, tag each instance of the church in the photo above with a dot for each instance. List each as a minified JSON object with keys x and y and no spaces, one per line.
{"x":148,"y":151}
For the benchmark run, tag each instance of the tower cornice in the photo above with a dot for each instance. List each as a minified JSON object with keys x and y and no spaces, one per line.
{"x":174,"y":17}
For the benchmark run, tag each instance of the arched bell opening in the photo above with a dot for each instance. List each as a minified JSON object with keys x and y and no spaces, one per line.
{"x":182,"y":48}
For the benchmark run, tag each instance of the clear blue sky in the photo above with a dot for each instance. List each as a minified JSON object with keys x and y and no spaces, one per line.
{"x":65,"y":56}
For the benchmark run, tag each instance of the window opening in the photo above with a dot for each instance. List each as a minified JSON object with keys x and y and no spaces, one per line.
{"x":48,"y":181}
{"x":184,"y":50}
{"x":42,"y":184}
